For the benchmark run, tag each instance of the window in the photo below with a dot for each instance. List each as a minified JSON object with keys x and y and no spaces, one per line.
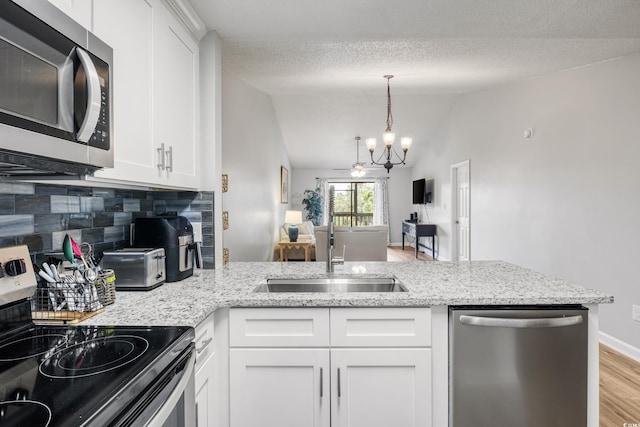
{"x":353,"y":203}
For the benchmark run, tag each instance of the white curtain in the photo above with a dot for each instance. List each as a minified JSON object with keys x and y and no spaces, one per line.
{"x":321,"y":185}
{"x":381,"y":203}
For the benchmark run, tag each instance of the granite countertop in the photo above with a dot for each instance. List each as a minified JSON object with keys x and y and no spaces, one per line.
{"x":190,"y":301}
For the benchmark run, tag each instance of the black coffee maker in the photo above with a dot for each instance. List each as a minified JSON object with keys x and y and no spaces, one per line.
{"x":175,"y":235}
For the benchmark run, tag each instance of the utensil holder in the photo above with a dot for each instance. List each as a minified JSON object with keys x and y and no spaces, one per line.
{"x":106,"y":286}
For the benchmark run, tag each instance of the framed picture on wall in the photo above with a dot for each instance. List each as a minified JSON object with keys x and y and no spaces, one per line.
{"x":284,"y":185}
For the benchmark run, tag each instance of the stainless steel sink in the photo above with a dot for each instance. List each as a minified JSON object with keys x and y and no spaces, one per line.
{"x":341,"y":284}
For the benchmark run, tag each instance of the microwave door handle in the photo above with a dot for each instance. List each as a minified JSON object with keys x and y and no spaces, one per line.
{"x":94,"y":101}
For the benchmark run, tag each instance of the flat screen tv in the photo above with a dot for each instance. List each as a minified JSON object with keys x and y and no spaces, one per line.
{"x":418,"y":191}
{"x":422,"y":191}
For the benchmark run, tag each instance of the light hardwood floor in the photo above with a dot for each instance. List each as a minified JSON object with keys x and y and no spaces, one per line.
{"x":396,"y":254}
{"x":619,"y":389}
{"x":619,"y":375}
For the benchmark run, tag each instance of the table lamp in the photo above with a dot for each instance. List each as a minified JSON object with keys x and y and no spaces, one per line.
{"x":293,"y":218}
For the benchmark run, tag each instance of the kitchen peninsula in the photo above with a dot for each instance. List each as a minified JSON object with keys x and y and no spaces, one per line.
{"x":230,"y":294}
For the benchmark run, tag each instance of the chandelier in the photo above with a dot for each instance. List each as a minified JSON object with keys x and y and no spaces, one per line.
{"x":357,"y":169}
{"x":388,"y":137}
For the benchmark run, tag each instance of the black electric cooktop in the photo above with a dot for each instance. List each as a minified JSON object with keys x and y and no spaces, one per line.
{"x":80,"y":375}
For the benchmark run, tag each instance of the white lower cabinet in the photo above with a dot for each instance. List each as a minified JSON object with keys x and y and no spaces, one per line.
{"x":204,"y":395}
{"x":280,"y":387}
{"x":204,"y":376}
{"x":359,"y":382}
{"x":381,"y":387}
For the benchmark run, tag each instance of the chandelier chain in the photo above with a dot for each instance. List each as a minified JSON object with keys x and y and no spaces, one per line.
{"x":389,"y":115}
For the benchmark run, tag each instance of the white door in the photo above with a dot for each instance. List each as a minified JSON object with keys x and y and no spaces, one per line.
{"x":381,"y":387}
{"x":461,"y":211}
{"x":279,"y":388}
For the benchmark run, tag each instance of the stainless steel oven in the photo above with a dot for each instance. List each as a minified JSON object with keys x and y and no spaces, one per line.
{"x":89,"y":376}
{"x":55,"y":93}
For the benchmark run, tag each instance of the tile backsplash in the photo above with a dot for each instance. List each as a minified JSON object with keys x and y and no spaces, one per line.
{"x":39,"y":215}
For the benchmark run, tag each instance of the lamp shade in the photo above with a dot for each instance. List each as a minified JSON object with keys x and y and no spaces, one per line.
{"x":293,"y":217}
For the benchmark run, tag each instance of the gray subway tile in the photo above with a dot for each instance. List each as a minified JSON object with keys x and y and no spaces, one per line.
{"x":16,"y":225}
{"x":47,"y":223}
{"x":91,"y":204}
{"x":16,"y":188}
{"x":65,"y":204}
{"x":131,"y":205}
{"x":31,"y":204}
{"x":113,"y":234}
{"x":7,"y":204}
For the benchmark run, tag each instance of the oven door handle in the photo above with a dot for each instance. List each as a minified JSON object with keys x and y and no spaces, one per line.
{"x":168,"y":406}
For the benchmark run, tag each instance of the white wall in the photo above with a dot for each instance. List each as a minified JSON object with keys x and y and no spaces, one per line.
{"x":252,"y":153}
{"x":565,"y":202}
{"x":400,"y":188}
{"x":211,"y":129}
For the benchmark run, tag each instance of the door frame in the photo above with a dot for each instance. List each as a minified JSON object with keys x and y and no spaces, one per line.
{"x":454,"y":207}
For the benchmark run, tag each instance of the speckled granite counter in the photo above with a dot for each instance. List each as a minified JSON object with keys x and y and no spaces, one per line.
{"x":428,"y":283}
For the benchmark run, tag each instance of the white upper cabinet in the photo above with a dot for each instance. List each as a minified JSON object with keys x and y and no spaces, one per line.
{"x":79,"y":10}
{"x":177,"y":80}
{"x":155,"y":94}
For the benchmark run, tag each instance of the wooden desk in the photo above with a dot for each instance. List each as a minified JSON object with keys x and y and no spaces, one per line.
{"x":420,"y":230}
{"x":285,"y":245}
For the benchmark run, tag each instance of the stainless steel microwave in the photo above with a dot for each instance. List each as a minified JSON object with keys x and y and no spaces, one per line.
{"x":55,"y":93}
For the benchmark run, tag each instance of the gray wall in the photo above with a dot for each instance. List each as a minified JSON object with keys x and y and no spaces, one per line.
{"x":252,"y":153}
{"x":564,"y":202}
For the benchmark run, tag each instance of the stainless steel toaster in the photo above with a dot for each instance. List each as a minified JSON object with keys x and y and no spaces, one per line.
{"x":136,"y":269}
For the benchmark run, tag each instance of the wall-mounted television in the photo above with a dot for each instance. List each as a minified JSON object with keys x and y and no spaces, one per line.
{"x":422,"y":191}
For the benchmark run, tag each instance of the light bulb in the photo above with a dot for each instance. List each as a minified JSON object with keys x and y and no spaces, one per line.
{"x":388,"y":138}
{"x":371,"y":143}
{"x":405,"y":143}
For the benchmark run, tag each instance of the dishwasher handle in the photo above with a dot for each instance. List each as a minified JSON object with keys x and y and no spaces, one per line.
{"x":543,"y":322}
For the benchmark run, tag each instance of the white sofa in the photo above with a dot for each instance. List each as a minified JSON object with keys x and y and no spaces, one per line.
{"x":362,"y":243}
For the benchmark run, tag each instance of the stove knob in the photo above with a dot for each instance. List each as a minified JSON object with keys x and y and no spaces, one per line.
{"x":15,"y":267}
{"x":1,"y":271}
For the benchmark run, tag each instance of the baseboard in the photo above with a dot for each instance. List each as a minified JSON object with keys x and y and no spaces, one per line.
{"x":620,"y":346}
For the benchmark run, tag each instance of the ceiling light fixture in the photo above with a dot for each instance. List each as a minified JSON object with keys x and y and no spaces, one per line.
{"x":388,"y":138}
{"x":358,"y":170}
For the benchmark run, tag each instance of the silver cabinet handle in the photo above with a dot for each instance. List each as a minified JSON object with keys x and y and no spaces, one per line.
{"x":321,"y":383}
{"x":339,"y":385}
{"x":94,"y":97}
{"x":170,"y":157}
{"x":161,"y":155}
{"x":544,"y":322}
{"x":204,"y":345}
{"x":196,"y":414}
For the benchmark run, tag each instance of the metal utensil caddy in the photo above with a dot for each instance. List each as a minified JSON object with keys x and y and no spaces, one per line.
{"x":73,"y":299}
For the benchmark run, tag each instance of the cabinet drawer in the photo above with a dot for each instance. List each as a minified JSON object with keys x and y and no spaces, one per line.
{"x":381,"y":327}
{"x":204,"y":341}
{"x":279,"y":327}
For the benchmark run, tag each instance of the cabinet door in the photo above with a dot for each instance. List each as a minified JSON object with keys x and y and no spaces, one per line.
{"x":204,"y":393}
{"x":178,"y":108}
{"x":132,"y":40}
{"x":279,"y":388}
{"x":78,"y":10}
{"x":381,"y":387}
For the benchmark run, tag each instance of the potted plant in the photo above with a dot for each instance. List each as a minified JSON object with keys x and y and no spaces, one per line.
{"x":313,"y":206}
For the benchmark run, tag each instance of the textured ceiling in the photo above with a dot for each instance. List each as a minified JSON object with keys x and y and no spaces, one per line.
{"x":323,"y":61}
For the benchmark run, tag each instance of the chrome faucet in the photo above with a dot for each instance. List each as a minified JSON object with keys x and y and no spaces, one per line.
{"x":331,"y":260}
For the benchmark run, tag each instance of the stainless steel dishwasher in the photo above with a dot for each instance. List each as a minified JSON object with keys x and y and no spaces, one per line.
{"x":518,"y":366}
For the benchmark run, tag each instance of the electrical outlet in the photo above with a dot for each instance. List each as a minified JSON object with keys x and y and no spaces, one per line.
{"x":635,"y":314}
